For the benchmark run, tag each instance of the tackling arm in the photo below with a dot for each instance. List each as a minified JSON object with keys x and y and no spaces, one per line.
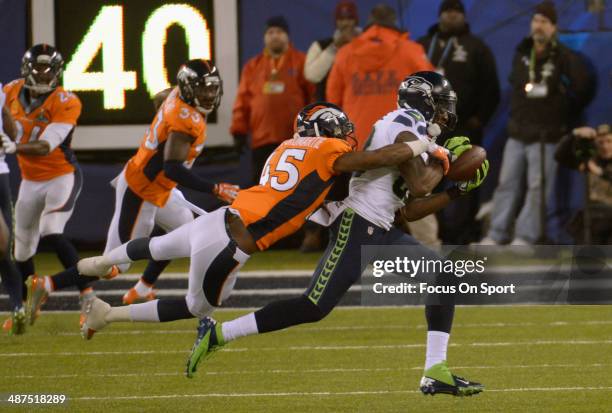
{"x":175,"y":153}
{"x":390,"y":155}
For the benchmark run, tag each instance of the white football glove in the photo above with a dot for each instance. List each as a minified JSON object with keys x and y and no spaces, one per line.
{"x":7,"y":144}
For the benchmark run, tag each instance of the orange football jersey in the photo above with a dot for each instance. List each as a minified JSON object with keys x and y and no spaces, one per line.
{"x":145,"y":170}
{"x":60,"y":106}
{"x":294,"y":183}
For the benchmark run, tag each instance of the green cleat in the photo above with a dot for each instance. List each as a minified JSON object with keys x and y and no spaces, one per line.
{"x":439,"y":379}
{"x":16,"y":324}
{"x":209,"y":340}
{"x":37,"y":295}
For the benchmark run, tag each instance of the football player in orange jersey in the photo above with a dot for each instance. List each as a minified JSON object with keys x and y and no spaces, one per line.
{"x":45,"y":116}
{"x":146,"y":188}
{"x":294,"y":182}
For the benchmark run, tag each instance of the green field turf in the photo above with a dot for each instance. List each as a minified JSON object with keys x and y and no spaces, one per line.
{"x":532,"y":359}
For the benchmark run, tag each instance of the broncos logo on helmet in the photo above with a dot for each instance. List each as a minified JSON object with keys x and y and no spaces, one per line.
{"x":324,"y":119}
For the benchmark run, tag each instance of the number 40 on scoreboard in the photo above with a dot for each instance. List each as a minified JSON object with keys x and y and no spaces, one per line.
{"x":107,"y":43}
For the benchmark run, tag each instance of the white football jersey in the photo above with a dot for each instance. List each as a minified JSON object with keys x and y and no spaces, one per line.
{"x":378,"y":193}
{"x":4,"y":169}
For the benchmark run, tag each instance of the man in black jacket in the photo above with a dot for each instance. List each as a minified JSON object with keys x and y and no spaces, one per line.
{"x":550,"y":86}
{"x":467,"y":62}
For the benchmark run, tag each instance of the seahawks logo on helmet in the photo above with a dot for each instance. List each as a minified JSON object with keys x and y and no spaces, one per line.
{"x":432,"y":95}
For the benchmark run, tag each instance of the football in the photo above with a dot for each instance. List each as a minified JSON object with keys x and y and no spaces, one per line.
{"x":464,"y":168}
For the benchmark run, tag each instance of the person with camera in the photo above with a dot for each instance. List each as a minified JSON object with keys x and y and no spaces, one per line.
{"x":590,"y":151}
{"x":550,"y":86}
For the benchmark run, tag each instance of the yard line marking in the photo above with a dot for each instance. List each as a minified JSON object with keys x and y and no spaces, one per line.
{"x":301,"y":371}
{"x":345,"y":328}
{"x":301,"y":348}
{"x":317,"y":394}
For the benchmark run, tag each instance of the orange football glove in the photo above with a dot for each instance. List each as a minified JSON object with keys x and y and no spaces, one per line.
{"x":226,"y":192}
{"x":441,"y":154}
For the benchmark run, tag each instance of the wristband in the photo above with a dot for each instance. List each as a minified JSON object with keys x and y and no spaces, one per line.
{"x":417,"y":147}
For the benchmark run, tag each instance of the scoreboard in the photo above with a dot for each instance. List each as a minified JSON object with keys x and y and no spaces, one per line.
{"x":119,"y":54}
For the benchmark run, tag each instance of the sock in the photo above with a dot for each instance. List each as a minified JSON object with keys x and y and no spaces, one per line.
{"x":138,"y":249}
{"x":239,"y":327}
{"x":153,"y":271}
{"x":437,"y":344}
{"x":118,"y":314}
{"x":142,"y":288}
{"x":48,"y":282}
{"x":12,"y":282}
{"x":26,"y":268}
{"x":64,"y":249}
{"x":143,"y":312}
{"x":70,"y":277}
{"x":286,"y":313}
{"x":170,"y":309}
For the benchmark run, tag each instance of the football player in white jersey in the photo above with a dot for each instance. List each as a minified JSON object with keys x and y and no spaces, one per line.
{"x":426,"y":105}
{"x":11,"y":279}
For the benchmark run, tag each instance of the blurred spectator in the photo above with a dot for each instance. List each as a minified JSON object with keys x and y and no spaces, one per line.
{"x":322,"y":53}
{"x":467,"y":62}
{"x":272,"y":91}
{"x":368,"y":70}
{"x":319,"y":61}
{"x":590,"y":150}
{"x":548,"y":80}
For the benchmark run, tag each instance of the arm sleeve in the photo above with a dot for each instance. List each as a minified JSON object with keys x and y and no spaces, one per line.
{"x":56,"y":133}
{"x":242,"y":105}
{"x":318,"y":62}
{"x":488,"y":98}
{"x":176,"y":171}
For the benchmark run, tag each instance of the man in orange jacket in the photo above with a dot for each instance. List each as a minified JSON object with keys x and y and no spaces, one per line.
{"x":368,"y":71}
{"x":272,"y":91}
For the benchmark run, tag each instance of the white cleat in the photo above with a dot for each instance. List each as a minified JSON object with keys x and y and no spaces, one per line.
{"x":95,"y":317}
{"x":94,"y":266}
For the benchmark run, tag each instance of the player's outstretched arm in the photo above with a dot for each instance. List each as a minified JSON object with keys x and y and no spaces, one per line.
{"x":175,"y":153}
{"x":390,"y":155}
{"x":51,"y":138}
